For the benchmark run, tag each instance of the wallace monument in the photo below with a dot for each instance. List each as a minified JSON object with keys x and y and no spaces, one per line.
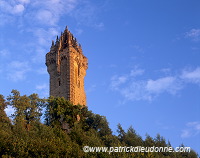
{"x":67,"y":67}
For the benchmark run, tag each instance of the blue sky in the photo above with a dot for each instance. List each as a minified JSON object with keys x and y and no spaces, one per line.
{"x":144,"y":67}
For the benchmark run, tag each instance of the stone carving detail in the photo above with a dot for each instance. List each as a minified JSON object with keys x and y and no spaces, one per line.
{"x":67,"y":67}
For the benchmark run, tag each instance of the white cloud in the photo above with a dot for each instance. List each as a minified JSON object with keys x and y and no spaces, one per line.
{"x":136,"y":72}
{"x":191,"y":75}
{"x":194,"y":34}
{"x":86,"y":13}
{"x":11,"y":7}
{"x":149,"y":89}
{"x":116,"y":81}
{"x":19,"y":8}
{"x":10,"y":10}
{"x":45,"y":36}
{"x":135,"y":91}
{"x":46,"y":12}
{"x":17,"y":70}
{"x":131,"y":88}
{"x":50,"y":11}
{"x":165,"y":84}
{"x":195,"y":125}
{"x":42,"y":42}
{"x":186,"y":133}
{"x":192,"y":129}
{"x":46,"y":17}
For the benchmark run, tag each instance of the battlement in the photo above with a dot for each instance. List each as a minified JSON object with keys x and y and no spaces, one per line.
{"x":62,"y":44}
{"x":65,"y":40}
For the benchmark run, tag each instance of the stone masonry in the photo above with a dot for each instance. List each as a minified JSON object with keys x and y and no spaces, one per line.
{"x":67,"y":67}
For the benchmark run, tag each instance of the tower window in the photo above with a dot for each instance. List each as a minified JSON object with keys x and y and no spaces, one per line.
{"x":78,"y":70}
{"x":59,"y":82}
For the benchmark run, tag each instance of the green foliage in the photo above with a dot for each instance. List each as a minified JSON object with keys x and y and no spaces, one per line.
{"x":67,"y":129}
{"x":3,"y":105}
{"x":60,"y":111}
{"x":27,"y":109}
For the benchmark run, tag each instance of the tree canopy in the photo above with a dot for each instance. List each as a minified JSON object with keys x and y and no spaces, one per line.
{"x":64,"y":129}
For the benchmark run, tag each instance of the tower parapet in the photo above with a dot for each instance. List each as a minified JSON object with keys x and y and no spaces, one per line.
{"x":67,"y":67}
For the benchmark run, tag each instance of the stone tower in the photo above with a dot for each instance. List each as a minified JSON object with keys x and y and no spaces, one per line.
{"x":67,"y":67}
